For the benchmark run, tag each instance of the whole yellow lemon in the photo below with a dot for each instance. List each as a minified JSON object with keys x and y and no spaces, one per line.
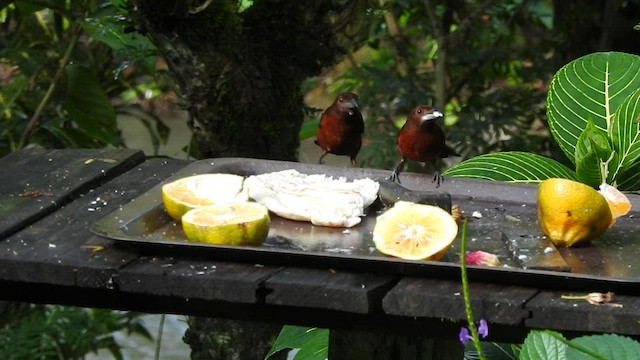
{"x":572,"y":213}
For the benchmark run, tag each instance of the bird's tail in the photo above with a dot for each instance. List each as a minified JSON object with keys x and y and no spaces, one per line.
{"x":448,"y":151}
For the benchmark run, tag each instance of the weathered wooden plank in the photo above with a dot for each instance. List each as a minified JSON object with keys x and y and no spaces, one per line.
{"x":328,"y":289}
{"x":60,"y":249}
{"x":549,"y":311}
{"x":420,"y":297}
{"x":36,"y":182}
{"x":197,"y":279}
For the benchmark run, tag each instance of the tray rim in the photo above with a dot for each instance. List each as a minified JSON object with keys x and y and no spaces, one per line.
{"x":502,"y":192}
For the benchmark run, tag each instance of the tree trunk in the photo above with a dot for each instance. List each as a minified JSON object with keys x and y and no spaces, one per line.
{"x":240,"y":71}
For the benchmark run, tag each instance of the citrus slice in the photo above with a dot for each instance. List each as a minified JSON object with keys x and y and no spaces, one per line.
{"x":570,"y":212}
{"x":414,"y":231}
{"x":618,"y":202}
{"x":227,"y":224}
{"x":192,"y":192}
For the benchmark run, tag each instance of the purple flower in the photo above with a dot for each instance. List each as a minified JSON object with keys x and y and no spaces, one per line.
{"x":464,"y":336}
{"x":483,"y":332}
{"x":483,"y":328}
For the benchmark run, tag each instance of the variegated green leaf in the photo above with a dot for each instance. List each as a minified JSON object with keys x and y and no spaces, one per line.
{"x":593,"y":149}
{"x":591,"y":86}
{"x":629,"y":180}
{"x":625,"y":135}
{"x":511,"y":166}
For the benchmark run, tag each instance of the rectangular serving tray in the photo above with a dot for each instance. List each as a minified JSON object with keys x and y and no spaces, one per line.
{"x":501,"y":219}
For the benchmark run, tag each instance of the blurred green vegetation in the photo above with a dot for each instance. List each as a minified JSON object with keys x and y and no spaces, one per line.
{"x":68,"y":68}
{"x":495,"y":75}
{"x":60,"y":332}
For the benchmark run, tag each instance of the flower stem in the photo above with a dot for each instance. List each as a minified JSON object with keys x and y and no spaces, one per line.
{"x":465,"y":292}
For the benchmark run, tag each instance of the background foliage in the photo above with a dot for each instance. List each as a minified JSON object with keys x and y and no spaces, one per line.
{"x":58,"y":332}
{"x":593,"y":110}
{"x":493,"y":82}
{"x":68,"y":68}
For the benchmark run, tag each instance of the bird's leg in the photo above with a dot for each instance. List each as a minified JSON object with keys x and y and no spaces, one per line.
{"x":353,"y":161}
{"x":395,"y":175}
{"x":324,"y":153}
{"x":437,"y":178}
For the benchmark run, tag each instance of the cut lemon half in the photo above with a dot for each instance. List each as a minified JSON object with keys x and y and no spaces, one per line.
{"x":414,"y":231}
{"x":195,"y":191}
{"x":227,"y":224}
{"x":618,"y":202}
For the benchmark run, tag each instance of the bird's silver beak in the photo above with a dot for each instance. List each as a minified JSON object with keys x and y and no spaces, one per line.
{"x":351,"y":104}
{"x":432,"y":115}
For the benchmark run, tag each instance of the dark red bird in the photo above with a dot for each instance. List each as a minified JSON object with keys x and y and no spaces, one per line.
{"x":341,"y":128}
{"x":421,"y":139}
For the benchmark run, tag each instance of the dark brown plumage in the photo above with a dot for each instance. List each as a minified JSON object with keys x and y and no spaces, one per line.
{"x":421,"y":139}
{"x":341,"y":128}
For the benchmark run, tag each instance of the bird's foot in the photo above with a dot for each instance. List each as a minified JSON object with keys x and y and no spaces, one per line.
{"x":395,"y":177}
{"x":438,"y":179}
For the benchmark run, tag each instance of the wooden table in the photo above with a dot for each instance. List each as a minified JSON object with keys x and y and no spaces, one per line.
{"x":50,"y":198}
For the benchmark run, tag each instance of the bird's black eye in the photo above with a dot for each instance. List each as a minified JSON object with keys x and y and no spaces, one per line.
{"x":340,"y":99}
{"x":419,"y":111}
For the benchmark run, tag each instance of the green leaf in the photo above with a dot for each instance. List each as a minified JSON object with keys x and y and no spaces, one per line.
{"x":88,"y":105}
{"x":511,"y":166}
{"x":625,"y":134}
{"x":9,"y":93}
{"x":312,"y":342}
{"x":309,"y":128}
{"x":540,"y":345}
{"x":592,"y":86}
{"x":592,"y":149}
{"x":69,"y":137}
{"x":629,"y":180}
{"x":606,"y":346}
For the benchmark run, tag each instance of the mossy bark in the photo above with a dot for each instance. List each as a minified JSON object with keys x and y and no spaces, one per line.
{"x":240,"y":72}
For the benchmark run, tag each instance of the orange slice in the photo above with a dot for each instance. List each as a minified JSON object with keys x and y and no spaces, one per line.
{"x":414,"y":231}
{"x":618,"y":202}
{"x":228,"y":224}
{"x":195,"y":191}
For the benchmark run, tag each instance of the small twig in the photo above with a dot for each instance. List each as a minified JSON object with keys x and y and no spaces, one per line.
{"x":159,"y":341}
{"x":33,"y":122}
{"x":473,"y":71}
{"x":200,"y":8}
{"x":435,"y":25}
{"x":35,"y":194}
{"x":466,"y":23}
{"x":594,"y":298}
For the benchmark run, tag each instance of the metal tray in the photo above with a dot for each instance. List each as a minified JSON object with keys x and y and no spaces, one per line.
{"x":505,"y":223}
